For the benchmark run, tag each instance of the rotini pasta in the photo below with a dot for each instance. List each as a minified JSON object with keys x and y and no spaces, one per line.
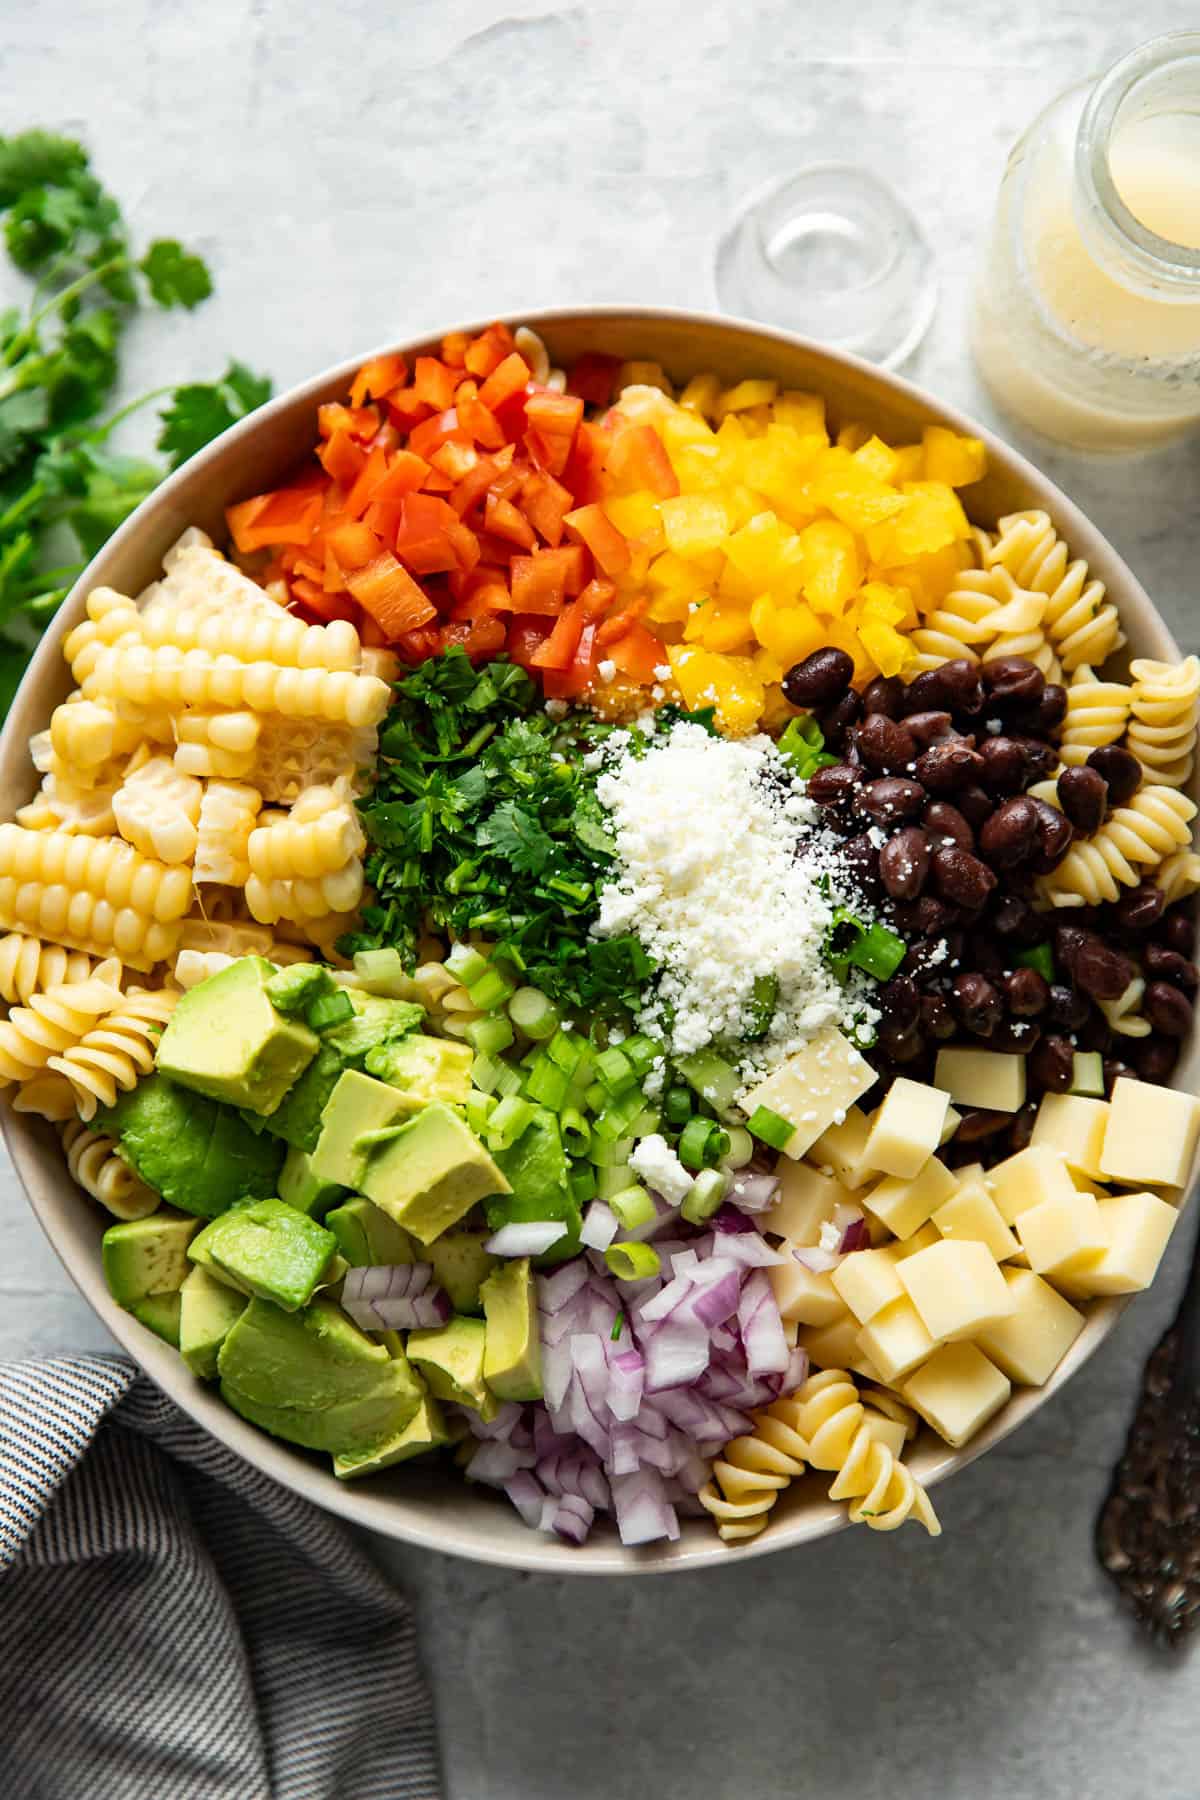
{"x":1015,"y":628}
{"x":79,"y":921}
{"x":157,"y":810}
{"x":99,"y":1169}
{"x":1097,"y":714}
{"x":106,"y":868}
{"x":844,"y":1435}
{"x":166,"y":676}
{"x":1080,"y":623}
{"x":55,"y":1021}
{"x":955,"y":626}
{"x":1165,"y":708}
{"x":228,"y":811}
{"x":28,"y":966}
{"x":1178,"y":875}
{"x":117,"y":1051}
{"x":1156,"y":822}
{"x":1123,"y":1013}
{"x":751,"y":1472}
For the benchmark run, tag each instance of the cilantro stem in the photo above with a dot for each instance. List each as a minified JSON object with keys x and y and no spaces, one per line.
{"x":72,"y":292}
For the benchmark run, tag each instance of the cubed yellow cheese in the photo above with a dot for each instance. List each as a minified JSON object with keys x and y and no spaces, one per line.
{"x":1136,"y":1228}
{"x":903,"y":1206}
{"x":867,"y":1281}
{"x":972,"y":1215}
{"x":802,"y":1295}
{"x":842,"y":1149}
{"x":950,"y":1124}
{"x":1032,"y":1341}
{"x":1027,"y":1179}
{"x":907,"y":1128}
{"x":836,"y":1346}
{"x":957,"y":1391}
{"x":989,"y":1078}
{"x":814,"y":1088}
{"x":921,"y":1239}
{"x":957,"y":1289}
{"x":806,"y":1200}
{"x":1061,"y":1234}
{"x":896,"y":1340}
{"x":1151,"y":1134}
{"x":1075,"y":1127}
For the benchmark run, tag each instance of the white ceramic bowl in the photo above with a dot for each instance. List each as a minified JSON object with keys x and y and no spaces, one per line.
{"x":434,"y":1506}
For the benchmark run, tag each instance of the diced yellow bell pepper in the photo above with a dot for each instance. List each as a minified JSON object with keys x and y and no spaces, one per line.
{"x":669,"y":609}
{"x":910,"y":463}
{"x":737,"y":588}
{"x":694,"y":524}
{"x":788,"y":633}
{"x":804,"y":413}
{"x":877,"y":459}
{"x":681,"y":430}
{"x":853,"y":436}
{"x":720,"y":626}
{"x":757,"y":549}
{"x":956,"y":460}
{"x":776,"y":709}
{"x":852,"y":494}
{"x":699,"y":466}
{"x":884,"y":645}
{"x":636,"y":516}
{"x":933,"y":519}
{"x":729,"y":683}
{"x":702,"y":395}
{"x":880,"y":601}
{"x":832,"y":565}
{"x":746,"y":394}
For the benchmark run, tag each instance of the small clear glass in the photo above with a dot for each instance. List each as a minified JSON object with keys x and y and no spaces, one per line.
{"x":1086,"y":323}
{"x":833,"y":253}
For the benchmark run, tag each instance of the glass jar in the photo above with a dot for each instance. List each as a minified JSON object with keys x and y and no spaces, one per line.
{"x":1086,"y":323}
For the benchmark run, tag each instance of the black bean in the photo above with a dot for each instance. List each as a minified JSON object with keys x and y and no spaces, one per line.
{"x":902,"y":1046}
{"x":1022,"y":1128}
{"x":1026,"y":993}
{"x":1167,"y":1009}
{"x":862,"y":860}
{"x":900,"y":1001}
{"x":1010,"y":836}
{"x":984,"y":954}
{"x":1120,"y":769}
{"x":1169,"y":965}
{"x":890,"y":798}
{"x":962,"y":878}
{"x":904,"y":863}
{"x":834,"y":785}
{"x":954,"y":687}
{"x":820,"y":679}
{"x":1095,"y":1034}
{"x":941,"y":820}
{"x":1004,"y":767}
{"x":976,"y":1125}
{"x":930,"y":957}
{"x":975,"y":804}
{"x":930,"y":727}
{"x":936,"y":1018}
{"x":1114,"y":1068}
{"x":977,"y":1003}
{"x":1083,"y":796}
{"x":1140,"y":908}
{"x":1017,"y":1037}
{"x":1054,"y":837}
{"x":1067,"y":1009}
{"x":1050,"y":711}
{"x":1155,"y":1057}
{"x":1052,"y":1064}
{"x":836,"y":720}
{"x":884,"y":745}
{"x":948,"y":766}
{"x":1068,"y":940}
{"x":1014,"y":920}
{"x":1013,"y":681}
{"x":1040,"y":757}
{"x":884,"y":695}
{"x":1178,"y":929}
{"x":1101,"y":971}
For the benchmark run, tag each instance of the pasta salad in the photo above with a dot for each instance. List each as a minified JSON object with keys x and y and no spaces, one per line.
{"x":617,"y":935}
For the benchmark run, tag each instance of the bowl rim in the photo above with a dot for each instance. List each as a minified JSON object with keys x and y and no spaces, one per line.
{"x":292,"y":1468}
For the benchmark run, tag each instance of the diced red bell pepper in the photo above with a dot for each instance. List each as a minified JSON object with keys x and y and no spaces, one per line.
{"x":504,"y":521}
{"x":405,"y":409}
{"x":637,"y":653}
{"x":434,"y":383}
{"x":454,"y":459}
{"x":545,"y":503}
{"x":478,"y":420}
{"x":552,"y":421}
{"x":354,"y":545}
{"x":361,"y":422}
{"x":560,"y":647}
{"x":506,"y":379}
{"x":584,"y":473}
{"x":370,"y":478}
{"x":432,"y":433}
{"x":597,"y":597}
{"x":388,"y":592}
{"x":406,"y":473}
{"x":422,"y":540}
{"x":593,"y":378}
{"x":637,"y":458}
{"x":525,"y":637}
{"x":325,"y":607}
{"x":416,"y":646}
{"x":474,"y":485}
{"x":341,"y":458}
{"x":454,"y":349}
{"x":478,"y":637}
{"x":537,"y":583}
{"x":288,"y":516}
{"x":378,"y":377}
{"x":580,"y":677}
{"x":488,"y":350}
{"x":591,"y":525}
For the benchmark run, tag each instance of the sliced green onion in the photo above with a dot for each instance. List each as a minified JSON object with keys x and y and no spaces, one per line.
{"x":383,"y":972}
{"x":491,"y":990}
{"x":1088,"y":1075}
{"x":508,"y":1121}
{"x":466,"y":964}
{"x":486,"y":1073}
{"x":633,"y":1206}
{"x":714,"y":1079}
{"x":701,"y":1143}
{"x":547,"y":1084}
{"x":606,"y":1153}
{"x":567,"y":1049}
{"x":741,"y":1149}
{"x":771,"y":1127}
{"x":614,"y":1180}
{"x":642,"y":1052}
{"x":582,"y":1183}
{"x":617,"y":1118}
{"x":632,"y":1262}
{"x":479,"y":1109}
{"x":508,"y":1081}
{"x":1039,"y":957}
{"x":704,"y":1196}
{"x":764,"y":998}
{"x":647,"y":1122}
{"x":871,"y":947}
{"x":615,"y":1072}
{"x":532,"y":1013}
{"x":328,"y":1010}
{"x":488,"y":1037}
{"x":677,"y":1105}
{"x":596,"y":1097}
{"x":576,"y":1132}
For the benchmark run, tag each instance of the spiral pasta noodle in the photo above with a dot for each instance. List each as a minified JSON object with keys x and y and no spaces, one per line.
{"x":1080,"y":623}
{"x":98,"y":1169}
{"x":1165,"y":708}
{"x":1123,"y":1013}
{"x":80,"y":921}
{"x":1015,"y":628}
{"x":956,"y":624}
{"x":842,"y":1437}
{"x":55,"y":1021}
{"x":1178,"y":875}
{"x":28,"y":966}
{"x":105,"y":868}
{"x":752,"y":1471}
{"x":157,"y":810}
{"x":167,"y":676}
{"x":117,"y":1051}
{"x":1156,"y":822}
{"x":1097,"y":714}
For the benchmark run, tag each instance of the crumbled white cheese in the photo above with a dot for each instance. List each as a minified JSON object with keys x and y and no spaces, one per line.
{"x":662,"y":672}
{"x":830,"y":1237}
{"x":606,"y":670}
{"x":556,"y":709}
{"x":659,"y":1167}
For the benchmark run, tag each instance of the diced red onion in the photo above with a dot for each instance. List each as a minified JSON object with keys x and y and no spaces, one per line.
{"x":644,"y":1514}
{"x":676,"y":1353}
{"x":496,"y":1463}
{"x":531,"y":1237}
{"x":727,"y":1218}
{"x":857,"y":1236}
{"x":796,"y":1373}
{"x":502,"y":1426}
{"x":570,"y":1518}
{"x":816,"y":1260}
{"x":557,"y":1369}
{"x":558,"y":1289}
{"x":664,"y":1215}
{"x":751,"y":1250}
{"x":626,"y":1384}
{"x":526,"y":1495}
{"x":754,"y":1193}
{"x":600,"y":1226}
{"x":713,"y":1304}
{"x":388,"y":1281}
{"x":760,"y":1327}
{"x":395,"y":1297}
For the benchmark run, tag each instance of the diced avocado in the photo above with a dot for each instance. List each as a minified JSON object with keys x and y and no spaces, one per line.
{"x":209,"y":1311}
{"x":304,"y":1190}
{"x":426,"y":1430}
{"x":537,"y":1170}
{"x":201,"y":1157}
{"x":377,"y":1020}
{"x":512,"y":1358}
{"x":146,"y":1256}
{"x":268,"y":1249}
{"x":460,"y":1265}
{"x":227,"y":1041}
{"x":314,"y":1378}
{"x":297,"y":1118}
{"x":357,"y":1107}
{"x":450,"y":1357}
{"x":424,"y":1068}
{"x":293,"y":990}
{"x":160,"y":1314}
{"x":365,"y":1235}
{"x":430,"y":1173}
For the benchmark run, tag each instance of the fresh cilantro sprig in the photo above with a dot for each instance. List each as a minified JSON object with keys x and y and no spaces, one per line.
{"x":484,"y":818}
{"x":63,"y":488}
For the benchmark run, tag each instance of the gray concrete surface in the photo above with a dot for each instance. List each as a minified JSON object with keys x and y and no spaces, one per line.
{"x":364,"y":169}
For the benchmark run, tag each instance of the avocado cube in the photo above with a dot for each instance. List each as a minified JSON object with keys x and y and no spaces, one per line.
{"x":160,"y":1314}
{"x":426,"y":1430}
{"x":366,"y":1236}
{"x":209,"y":1309}
{"x":227,"y":1041}
{"x":268,"y":1249}
{"x":146,"y":1256}
{"x":430,"y":1173}
{"x":512,"y":1358}
{"x":297,"y":1118}
{"x":377,"y":1020}
{"x":200,"y":1157}
{"x":314,"y":1378}
{"x":304,"y":1190}
{"x":537,"y":1171}
{"x":424,"y":1069}
{"x":450,"y":1357}
{"x":357,"y":1107}
{"x":293,"y":990}
{"x":461,"y":1265}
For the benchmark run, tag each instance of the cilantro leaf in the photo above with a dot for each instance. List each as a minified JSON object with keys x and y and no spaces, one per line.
{"x":516,"y":834}
{"x":37,"y":159}
{"x":201,"y":411}
{"x":175,"y":277}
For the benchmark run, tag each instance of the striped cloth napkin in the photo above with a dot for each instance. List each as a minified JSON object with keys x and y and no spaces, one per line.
{"x":177,"y":1627}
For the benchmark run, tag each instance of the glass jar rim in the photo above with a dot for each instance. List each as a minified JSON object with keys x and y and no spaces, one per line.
{"x":1157,"y":258}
